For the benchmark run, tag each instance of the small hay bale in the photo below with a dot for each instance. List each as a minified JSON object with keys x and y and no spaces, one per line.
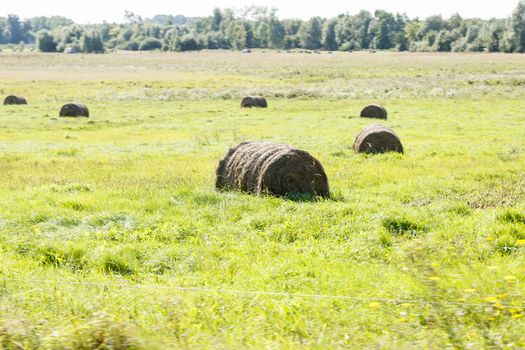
{"x":254,"y":101}
{"x":374,"y":111}
{"x":74,"y":110}
{"x":263,"y":167}
{"x":377,"y":138}
{"x":15,"y":100}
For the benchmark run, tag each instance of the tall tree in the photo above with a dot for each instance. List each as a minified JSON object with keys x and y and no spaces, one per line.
{"x":276,"y":33}
{"x":362,"y":22}
{"x":97,"y":44}
{"x":86,"y":43}
{"x":14,"y":29}
{"x":216,"y":20}
{"x":517,"y":24}
{"x":385,"y":30}
{"x":310,"y":33}
{"x":329,"y":39}
{"x":2,"y":30}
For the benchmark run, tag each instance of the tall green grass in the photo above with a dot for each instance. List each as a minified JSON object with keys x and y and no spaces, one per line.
{"x":112,"y":235}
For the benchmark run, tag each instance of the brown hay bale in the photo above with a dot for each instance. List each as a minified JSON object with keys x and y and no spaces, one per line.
{"x":374,"y":111}
{"x":15,"y":100}
{"x":259,"y":167}
{"x":377,"y":138}
{"x":254,"y":101}
{"x":74,"y":110}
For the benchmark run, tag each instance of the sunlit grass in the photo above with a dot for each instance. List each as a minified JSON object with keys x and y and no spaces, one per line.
{"x":103,"y":220}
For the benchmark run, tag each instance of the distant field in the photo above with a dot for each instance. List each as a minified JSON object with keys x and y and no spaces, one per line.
{"x":112,"y":235}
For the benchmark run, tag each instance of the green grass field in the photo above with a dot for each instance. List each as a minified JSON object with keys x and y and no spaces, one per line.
{"x":113,"y":237}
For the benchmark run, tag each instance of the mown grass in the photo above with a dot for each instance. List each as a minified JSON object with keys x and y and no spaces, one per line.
{"x":112,"y":236}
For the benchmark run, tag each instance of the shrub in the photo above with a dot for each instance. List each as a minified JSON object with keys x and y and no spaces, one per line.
{"x":46,"y":42}
{"x":150,"y":44}
{"x":187,"y":43}
{"x":131,"y":45}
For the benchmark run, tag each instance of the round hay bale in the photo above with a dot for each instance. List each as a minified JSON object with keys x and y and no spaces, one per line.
{"x":254,"y":101}
{"x":377,"y":138}
{"x":263,"y":167}
{"x":15,"y":100}
{"x":74,"y":110}
{"x":374,"y":111}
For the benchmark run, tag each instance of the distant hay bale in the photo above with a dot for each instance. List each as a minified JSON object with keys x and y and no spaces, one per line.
{"x":254,"y":101}
{"x":15,"y":100}
{"x":260,"y":167}
{"x":374,"y":111}
{"x":377,"y":138}
{"x":74,"y":110}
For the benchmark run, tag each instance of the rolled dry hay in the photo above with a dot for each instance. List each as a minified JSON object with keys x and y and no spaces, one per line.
{"x":377,"y":138}
{"x":262,"y":167}
{"x":254,"y":101}
{"x":15,"y":100}
{"x":74,"y":110}
{"x":374,"y":111}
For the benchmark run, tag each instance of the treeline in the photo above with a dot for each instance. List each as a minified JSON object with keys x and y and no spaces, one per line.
{"x":259,"y":27}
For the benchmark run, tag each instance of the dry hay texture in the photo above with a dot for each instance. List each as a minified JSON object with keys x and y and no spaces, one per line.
{"x":254,"y":101}
{"x":377,"y":138}
{"x":74,"y":110}
{"x":15,"y":100}
{"x":262,"y":167}
{"x":374,"y":111}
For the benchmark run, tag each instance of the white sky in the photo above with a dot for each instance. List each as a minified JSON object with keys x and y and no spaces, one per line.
{"x":94,"y":11}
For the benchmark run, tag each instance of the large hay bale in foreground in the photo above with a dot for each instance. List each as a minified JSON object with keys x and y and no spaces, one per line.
{"x":377,"y":138}
{"x":74,"y":110}
{"x":254,"y":101}
{"x":374,"y":111}
{"x":15,"y":100}
{"x":260,"y":167}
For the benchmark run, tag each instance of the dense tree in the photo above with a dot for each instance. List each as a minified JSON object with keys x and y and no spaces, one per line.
{"x":150,"y":44}
{"x":260,"y":27}
{"x":217,"y":40}
{"x":276,"y":33}
{"x":46,"y":42}
{"x":187,"y":42}
{"x":3,"y":26}
{"x":346,"y":34}
{"x":329,"y":41}
{"x":216,"y":20}
{"x":361,"y":24}
{"x":311,"y":33}
{"x":385,"y":30}
{"x":49,"y":23}
{"x":14,"y":33}
{"x":92,"y":42}
{"x":517,"y":24}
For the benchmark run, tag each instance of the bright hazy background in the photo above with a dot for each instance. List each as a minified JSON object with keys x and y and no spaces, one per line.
{"x":95,"y":11}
